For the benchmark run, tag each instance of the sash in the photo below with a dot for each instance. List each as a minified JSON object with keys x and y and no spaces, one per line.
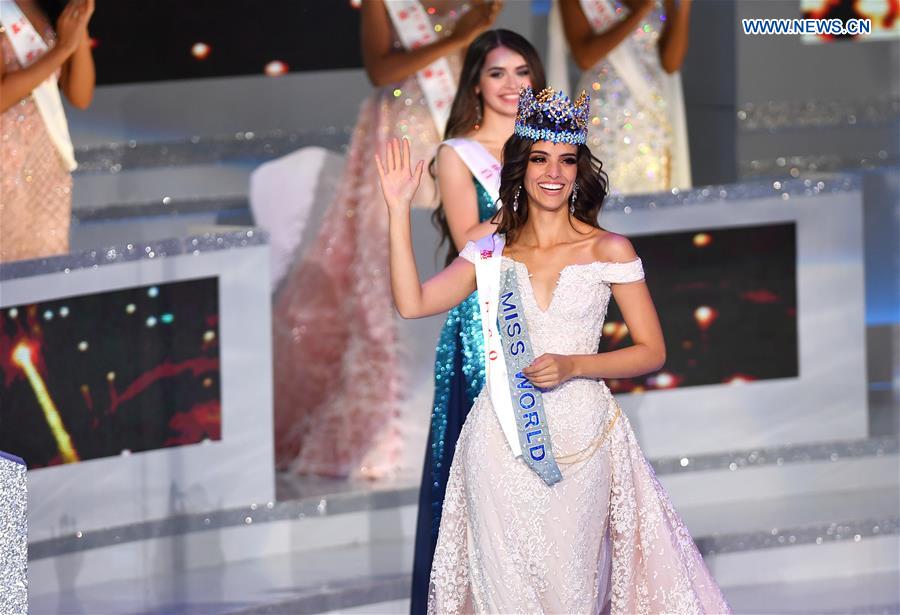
{"x":487,"y":279}
{"x":527,"y":401}
{"x":28,"y":47}
{"x":481,"y":163}
{"x":624,"y":60}
{"x":414,"y":29}
{"x":517,"y":404}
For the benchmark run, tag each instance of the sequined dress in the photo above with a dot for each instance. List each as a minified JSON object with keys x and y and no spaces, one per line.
{"x":632,"y":139}
{"x":458,"y":377}
{"x":337,"y":368}
{"x":605,"y":538}
{"x":35,"y":186}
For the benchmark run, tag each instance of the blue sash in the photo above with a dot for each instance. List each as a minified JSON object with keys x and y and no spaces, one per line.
{"x":528,"y":404}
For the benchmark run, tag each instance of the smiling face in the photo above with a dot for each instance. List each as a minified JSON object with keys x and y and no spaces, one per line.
{"x":550,"y":174}
{"x":504,"y":73}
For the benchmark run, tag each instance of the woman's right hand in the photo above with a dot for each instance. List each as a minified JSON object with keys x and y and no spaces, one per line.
{"x":476,"y":20}
{"x":399,"y":181}
{"x":71,"y":27}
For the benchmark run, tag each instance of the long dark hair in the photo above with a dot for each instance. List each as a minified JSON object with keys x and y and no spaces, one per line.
{"x":463,"y":112}
{"x":591,"y":178}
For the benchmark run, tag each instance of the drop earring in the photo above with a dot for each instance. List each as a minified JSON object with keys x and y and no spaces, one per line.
{"x":516,"y":199}
{"x":477,"y":114}
{"x":573,"y":198}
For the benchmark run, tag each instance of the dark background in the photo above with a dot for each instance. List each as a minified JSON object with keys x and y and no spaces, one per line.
{"x":166,"y":390}
{"x":748,"y":277}
{"x":151,"y":40}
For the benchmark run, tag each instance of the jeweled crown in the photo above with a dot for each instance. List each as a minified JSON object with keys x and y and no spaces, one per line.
{"x":551,"y":116}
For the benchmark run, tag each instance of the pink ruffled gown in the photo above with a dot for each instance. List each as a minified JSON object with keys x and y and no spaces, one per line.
{"x":603,"y":540}
{"x":337,"y":366}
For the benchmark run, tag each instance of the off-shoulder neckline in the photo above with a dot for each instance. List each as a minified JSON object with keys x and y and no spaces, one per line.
{"x":559,"y":277}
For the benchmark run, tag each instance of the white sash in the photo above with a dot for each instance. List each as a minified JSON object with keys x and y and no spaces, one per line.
{"x":28,"y":47}
{"x":487,"y":278}
{"x":484,"y":167}
{"x":624,"y":60}
{"x":436,"y":80}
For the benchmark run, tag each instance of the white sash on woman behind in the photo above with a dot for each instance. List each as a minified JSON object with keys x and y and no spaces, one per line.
{"x":436,"y":80}
{"x":484,"y":167}
{"x":28,"y":47}
{"x":602,"y":15}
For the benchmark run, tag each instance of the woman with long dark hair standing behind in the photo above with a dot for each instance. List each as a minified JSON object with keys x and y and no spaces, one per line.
{"x":36,"y":154}
{"x":467,"y":168}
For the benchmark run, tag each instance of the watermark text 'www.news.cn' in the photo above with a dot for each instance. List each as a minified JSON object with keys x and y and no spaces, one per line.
{"x":819,"y":27}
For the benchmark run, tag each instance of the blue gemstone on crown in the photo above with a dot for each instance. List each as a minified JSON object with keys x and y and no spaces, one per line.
{"x":551,"y":116}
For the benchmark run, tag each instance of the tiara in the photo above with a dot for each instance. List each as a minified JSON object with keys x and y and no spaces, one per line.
{"x":551,"y":116}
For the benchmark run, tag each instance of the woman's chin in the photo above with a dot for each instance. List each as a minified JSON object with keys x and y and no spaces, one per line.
{"x":505,"y":108}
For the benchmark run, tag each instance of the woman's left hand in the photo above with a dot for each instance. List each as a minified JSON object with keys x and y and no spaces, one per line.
{"x":550,"y":370}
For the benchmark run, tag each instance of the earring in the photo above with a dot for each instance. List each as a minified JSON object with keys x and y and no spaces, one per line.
{"x":516,"y":199}
{"x":477,"y":114}
{"x":573,"y":198}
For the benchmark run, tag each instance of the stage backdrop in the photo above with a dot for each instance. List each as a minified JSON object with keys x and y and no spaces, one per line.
{"x":760,"y":292}
{"x":136,"y":381}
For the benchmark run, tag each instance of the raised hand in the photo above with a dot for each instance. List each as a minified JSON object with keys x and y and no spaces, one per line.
{"x":399,"y":181}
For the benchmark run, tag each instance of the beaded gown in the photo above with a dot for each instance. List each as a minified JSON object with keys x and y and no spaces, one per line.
{"x":458,"y":377}
{"x":337,"y":368}
{"x":605,"y":538}
{"x":632,"y":139}
{"x":35,"y":186}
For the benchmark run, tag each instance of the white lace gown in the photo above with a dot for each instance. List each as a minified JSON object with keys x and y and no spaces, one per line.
{"x":605,"y":538}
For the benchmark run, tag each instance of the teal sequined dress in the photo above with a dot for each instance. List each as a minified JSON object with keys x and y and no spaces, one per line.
{"x":458,"y":378}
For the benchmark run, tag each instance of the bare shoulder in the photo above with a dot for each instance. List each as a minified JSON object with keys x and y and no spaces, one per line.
{"x":613,"y":248}
{"x":448,"y":160}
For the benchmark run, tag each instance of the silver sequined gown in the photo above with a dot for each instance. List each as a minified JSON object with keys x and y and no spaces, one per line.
{"x":604,"y":539}
{"x":633,"y":140}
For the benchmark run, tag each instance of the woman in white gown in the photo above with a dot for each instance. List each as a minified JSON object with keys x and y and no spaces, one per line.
{"x":579,"y":523}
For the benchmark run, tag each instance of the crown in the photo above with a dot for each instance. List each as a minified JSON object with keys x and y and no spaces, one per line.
{"x":551,"y":116}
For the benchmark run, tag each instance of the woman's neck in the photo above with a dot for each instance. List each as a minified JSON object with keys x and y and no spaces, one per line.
{"x":545,"y":229}
{"x":495,"y":129}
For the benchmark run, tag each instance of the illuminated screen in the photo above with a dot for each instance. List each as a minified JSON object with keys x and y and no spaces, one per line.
{"x":727,"y":301}
{"x":884,"y":16}
{"x":110,"y":373}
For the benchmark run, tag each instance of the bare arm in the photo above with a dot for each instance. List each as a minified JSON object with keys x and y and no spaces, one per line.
{"x":673,"y":40}
{"x":385,"y":65}
{"x":18,"y":84}
{"x":446,"y":289}
{"x":78,"y":76}
{"x":459,"y":199}
{"x":586,"y":46}
{"x":647,"y":354}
